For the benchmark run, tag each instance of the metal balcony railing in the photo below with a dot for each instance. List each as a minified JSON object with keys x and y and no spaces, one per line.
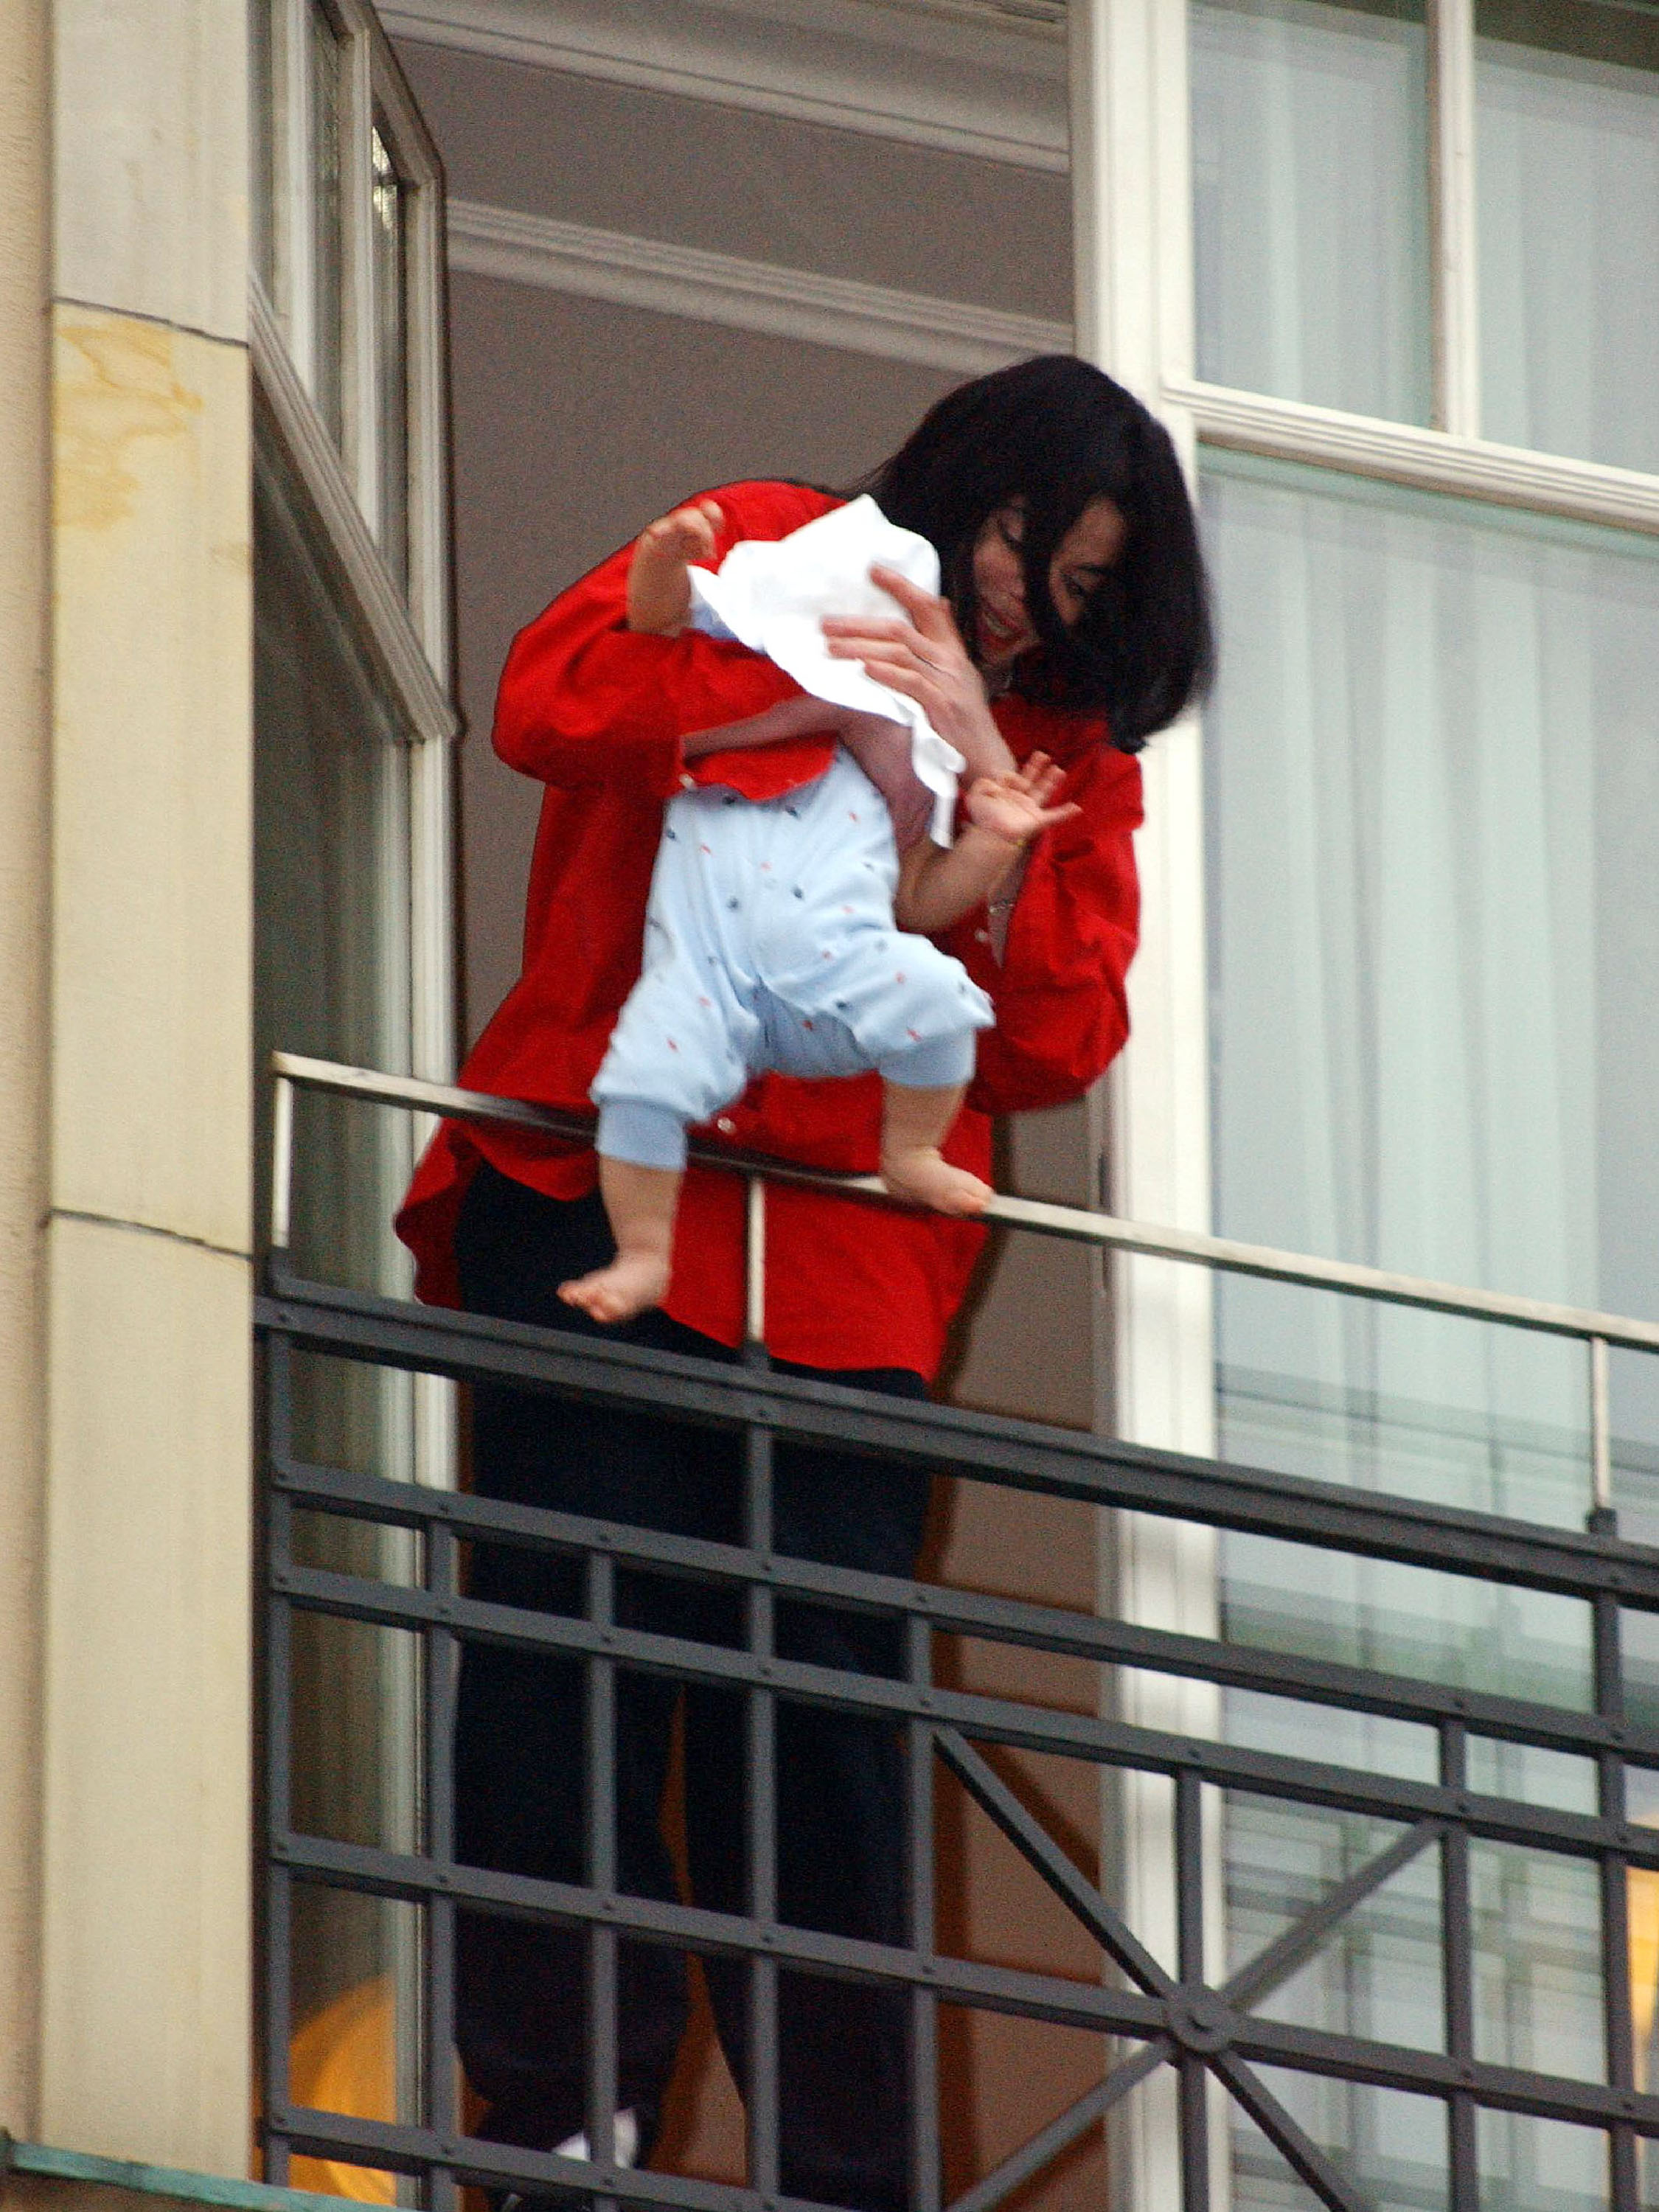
{"x":1148,"y":2015}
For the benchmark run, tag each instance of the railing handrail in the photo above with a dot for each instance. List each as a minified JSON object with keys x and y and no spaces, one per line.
{"x":1225,"y":1254}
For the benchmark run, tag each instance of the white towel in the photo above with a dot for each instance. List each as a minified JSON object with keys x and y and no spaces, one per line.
{"x":772,"y":595}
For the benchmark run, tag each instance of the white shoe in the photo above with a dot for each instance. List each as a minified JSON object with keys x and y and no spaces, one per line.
{"x":628,"y":2142}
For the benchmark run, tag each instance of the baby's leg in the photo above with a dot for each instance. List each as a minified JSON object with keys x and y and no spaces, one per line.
{"x":641,"y":1195}
{"x":917,"y":1110}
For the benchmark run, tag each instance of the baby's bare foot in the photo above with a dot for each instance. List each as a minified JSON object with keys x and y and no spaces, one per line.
{"x":632,"y":1282}
{"x":922,"y":1174}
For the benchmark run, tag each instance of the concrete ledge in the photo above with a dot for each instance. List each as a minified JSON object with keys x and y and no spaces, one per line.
{"x":35,"y":2178}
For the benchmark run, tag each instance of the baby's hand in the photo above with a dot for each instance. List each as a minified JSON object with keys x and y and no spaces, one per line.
{"x":659,"y":589}
{"x":1017,"y":806}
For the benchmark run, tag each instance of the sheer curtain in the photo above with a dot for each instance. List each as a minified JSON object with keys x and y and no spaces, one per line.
{"x":1432,"y":775}
{"x":1311,"y":203}
{"x":1427,"y":906}
{"x":1568,"y":169}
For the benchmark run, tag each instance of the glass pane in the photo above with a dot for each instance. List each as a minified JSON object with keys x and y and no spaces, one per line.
{"x":1568,"y":167}
{"x":1448,"y":1629}
{"x":1540,"y":2166}
{"x":331,"y":959}
{"x":1537,"y":1961}
{"x":391,"y":199}
{"x":1391,"y":2146}
{"x":262,"y":137}
{"x":1377,"y":1973}
{"x":328,"y":259}
{"x":356,"y":2038}
{"x":1559,"y":1779}
{"x":1432,"y":769}
{"x":331,"y":891}
{"x":355,"y":1698}
{"x":1310,"y":211}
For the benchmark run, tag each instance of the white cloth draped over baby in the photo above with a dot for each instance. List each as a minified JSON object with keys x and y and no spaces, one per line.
{"x":773,"y":595}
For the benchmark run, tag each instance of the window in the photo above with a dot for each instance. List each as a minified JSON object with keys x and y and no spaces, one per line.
{"x":1392,"y":272}
{"x":348,"y":259}
{"x":354,"y":722}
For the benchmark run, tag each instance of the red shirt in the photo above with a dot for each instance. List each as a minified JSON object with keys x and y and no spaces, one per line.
{"x":598,"y":714}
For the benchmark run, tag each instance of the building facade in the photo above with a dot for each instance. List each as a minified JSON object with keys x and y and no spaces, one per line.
{"x":333,"y":342}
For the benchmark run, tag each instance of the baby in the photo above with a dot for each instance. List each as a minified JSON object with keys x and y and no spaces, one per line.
{"x":778,"y":937}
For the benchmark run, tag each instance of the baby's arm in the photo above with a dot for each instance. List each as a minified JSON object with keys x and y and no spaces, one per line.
{"x":660,"y":604}
{"x":1004,"y":813}
{"x":801,"y":717}
{"x":659,"y":588}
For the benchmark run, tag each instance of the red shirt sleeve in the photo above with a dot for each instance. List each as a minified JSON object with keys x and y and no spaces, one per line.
{"x":583,"y":699}
{"x":1059,"y":992}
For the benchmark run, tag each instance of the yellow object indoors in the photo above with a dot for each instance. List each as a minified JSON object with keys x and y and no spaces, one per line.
{"x":342,"y":2059}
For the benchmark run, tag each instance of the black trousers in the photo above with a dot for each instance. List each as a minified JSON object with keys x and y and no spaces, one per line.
{"x":518,"y":1747}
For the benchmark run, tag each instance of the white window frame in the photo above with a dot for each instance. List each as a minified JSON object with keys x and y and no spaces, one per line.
{"x":1131,"y":166}
{"x":407,"y":635}
{"x":404,"y":626}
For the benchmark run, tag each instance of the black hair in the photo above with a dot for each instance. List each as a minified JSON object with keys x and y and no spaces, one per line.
{"x":1050,"y":435}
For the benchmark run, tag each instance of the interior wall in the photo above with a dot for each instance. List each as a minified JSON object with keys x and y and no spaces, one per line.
{"x":576,"y":422}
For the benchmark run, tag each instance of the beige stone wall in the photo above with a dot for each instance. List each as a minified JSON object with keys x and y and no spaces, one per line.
{"x":24,"y":731}
{"x":145,"y":1856}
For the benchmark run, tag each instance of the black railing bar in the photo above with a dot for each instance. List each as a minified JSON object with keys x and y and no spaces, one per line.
{"x":1101,"y":1740}
{"x":1005,"y":1989}
{"x":602,"y":1962}
{"x":763,"y":2089}
{"x":1192,"y":2071}
{"x":1618,"y":2022}
{"x":1225,"y":1254}
{"x":1017,"y":1621}
{"x":416,"y":2150}
{"x":438,"y":1691}
{"x":920,"y":1857}
{"x":275,"y":1775}
{"x":1032,"y":1840}
{"x":1297,"y":2148}
{"x":1061,"y":2132}
{"x":368,"y":1870}
{"x":1018,"y":1455}
{"x":1264,"y":1973}
{"x":1430,"y":2073}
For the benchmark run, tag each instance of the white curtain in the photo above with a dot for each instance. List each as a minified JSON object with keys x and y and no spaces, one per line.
{"x":1404,"y":901}
{"x":1311,"y":205}
{"x":1432,"y":778}
{"x":1568,"y":169}
{"x":1428,"y":902}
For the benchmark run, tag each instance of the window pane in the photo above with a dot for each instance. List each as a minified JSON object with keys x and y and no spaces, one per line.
{"x":332,"y":912}
{"x":326,"y":257}
{"x":1393,"y":2147}
{"x":262,"y":135}
{"x":1310,"y":213}
{"x":1540,"y":2166}
{"x":1433,"y":768}
{"x":391,"y":199}
{"x":356,"y":2028}
{"x":1569,"y":184}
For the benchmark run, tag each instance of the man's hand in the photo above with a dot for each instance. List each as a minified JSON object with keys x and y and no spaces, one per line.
{"x":920,"y":653}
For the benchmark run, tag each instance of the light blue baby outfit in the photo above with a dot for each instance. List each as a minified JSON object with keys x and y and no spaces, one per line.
{"x":770,"y":944}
